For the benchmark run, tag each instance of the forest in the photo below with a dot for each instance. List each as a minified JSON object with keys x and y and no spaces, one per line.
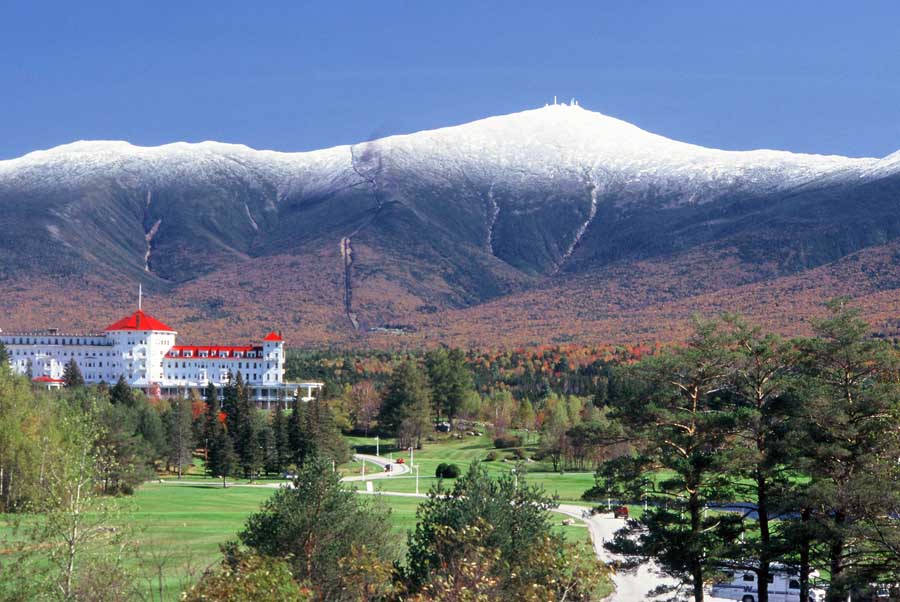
{"x":738,"y":450}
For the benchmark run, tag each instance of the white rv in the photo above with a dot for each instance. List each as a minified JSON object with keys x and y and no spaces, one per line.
{"x":783,"y":586}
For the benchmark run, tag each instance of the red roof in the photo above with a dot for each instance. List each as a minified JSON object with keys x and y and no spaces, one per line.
{"x":139,"y":321}
{"x":47,"y":379}
{"x":213,"y":351}
{"x":273,"y":336}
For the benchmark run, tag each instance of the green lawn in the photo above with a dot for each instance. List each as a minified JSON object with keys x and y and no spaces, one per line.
{"x":182,"y":526}
{"x":568,"y":486}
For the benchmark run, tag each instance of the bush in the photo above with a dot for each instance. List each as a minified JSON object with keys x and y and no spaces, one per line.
{"x":452,"y":471}
{"x":446,"y":471}
{"x":492,"y":455}
{"x":518,"y":453}
{"x":506,"y":441}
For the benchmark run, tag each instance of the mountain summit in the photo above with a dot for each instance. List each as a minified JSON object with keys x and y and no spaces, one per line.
{"x":420,"y":233}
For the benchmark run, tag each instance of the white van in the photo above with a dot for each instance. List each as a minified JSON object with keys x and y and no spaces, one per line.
{"x":783,"y":587}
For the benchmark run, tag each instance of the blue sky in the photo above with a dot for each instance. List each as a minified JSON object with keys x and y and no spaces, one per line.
{"x":809,"y":76}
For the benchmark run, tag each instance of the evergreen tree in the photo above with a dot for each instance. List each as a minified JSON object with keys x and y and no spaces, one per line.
{"x":297,"y":435}
{"x":266,"y":441}
{"x":246,"y":439}
{"x":850,"y":426}
{"x":122,"y":394}
{"x":4,"y":357}
{"x":178,"y":434}
{"x":72,"y":375}
{"x":317,"y":525}
{"x":213,"y":410}
{"x":231,"y":403}
{"x":450,"y":381}
{"x":685,"y":427}
{"x":281,"y":440}
{"x":759,"y":386}
{"x":150,"y":428}
{"x":406,"y":410}
{"x":222,"y":459}
{"x":322,"y":433}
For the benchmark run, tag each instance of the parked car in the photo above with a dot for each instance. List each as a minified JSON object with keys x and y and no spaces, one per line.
{"x":387,"y":467}
{"x":401,"y":461}
{"x":620,"y":512}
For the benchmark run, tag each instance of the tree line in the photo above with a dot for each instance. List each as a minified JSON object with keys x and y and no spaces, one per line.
{"x":752,"y":450}
{"x":240,"y":440}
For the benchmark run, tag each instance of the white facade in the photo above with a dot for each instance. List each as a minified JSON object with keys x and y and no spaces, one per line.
{"x":143,"y":350}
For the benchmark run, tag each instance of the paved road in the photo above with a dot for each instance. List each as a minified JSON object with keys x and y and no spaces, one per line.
{"x":631,"y":586}
{"x":379,"y":473}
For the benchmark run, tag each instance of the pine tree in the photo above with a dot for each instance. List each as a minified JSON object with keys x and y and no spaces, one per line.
{"x":246,"y":431}
{"x":450,"y":381}
{"x":685,"y":427}
{"x":281,"y":440}
{"x":266,"y":440}
{"x":406,"y":410}
{"x":297,"y":436}
{"x":222,"y":459}
{"x":849,"y":444}
{"x":230,"y":401}
{"x":72,"y":375}
{"x":122,"y":394}
{"x":178,"y":434}
{"x":4,"y":357}
{"x":213,"y":409}
{"x":759,"y":386}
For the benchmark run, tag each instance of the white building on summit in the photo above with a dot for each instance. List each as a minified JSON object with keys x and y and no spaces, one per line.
{"x":142,"y":349}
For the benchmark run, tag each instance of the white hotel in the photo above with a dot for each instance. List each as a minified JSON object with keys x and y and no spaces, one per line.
{"x":143,"y":350}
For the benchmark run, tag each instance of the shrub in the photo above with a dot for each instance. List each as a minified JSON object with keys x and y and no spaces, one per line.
{"x":506,"y":441}
{"x":492,"y":455}
{"x":446,"y":471}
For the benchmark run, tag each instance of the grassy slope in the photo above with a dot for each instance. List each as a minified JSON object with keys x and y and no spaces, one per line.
{"x":186,"y":524}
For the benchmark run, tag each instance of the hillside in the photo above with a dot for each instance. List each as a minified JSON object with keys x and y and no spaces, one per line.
{"x":551,"y":224}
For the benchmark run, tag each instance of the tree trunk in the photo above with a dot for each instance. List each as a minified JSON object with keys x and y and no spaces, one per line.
{"x":838,"y":590}
{"x":804,"y":556}
{"x":762,"y":511}
{"x":696,"y":564}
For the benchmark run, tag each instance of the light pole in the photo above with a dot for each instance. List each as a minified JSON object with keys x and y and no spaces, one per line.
{"x":377,"y":449}
{"x":411,"y":456}
{"x":515,"y":478}
{"x":417,"y":479}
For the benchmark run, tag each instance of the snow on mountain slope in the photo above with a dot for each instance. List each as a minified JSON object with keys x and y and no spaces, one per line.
{"x":557,"y":141}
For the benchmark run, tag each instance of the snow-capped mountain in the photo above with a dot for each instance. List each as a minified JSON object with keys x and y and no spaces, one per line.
{"x":446,"y":218}
{"x":554,"y":141}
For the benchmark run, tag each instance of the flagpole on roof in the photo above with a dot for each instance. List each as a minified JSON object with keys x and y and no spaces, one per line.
{"x":140,"y":295}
